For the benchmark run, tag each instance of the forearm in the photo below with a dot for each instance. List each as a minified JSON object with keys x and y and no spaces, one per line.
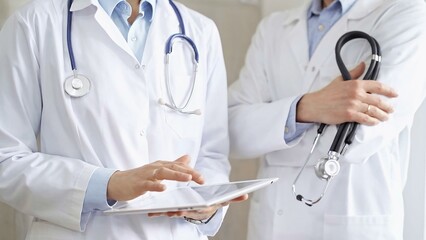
{"x":263,"y":127}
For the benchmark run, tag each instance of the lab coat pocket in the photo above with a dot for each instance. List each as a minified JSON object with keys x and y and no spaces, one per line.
{"x":183,"y":125}
{"x":183,"y":93}
{"x":373,"y":227}
{"x":42,"y":230}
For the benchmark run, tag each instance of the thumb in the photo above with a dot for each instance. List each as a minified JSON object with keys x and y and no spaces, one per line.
{"x":184,"y":159}
{"x":357,"y":71}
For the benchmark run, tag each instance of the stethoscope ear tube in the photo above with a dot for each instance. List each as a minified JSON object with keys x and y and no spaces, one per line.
{"x":346,"y":131}
{"x":373,"y":69}
{"x":69,"y":32}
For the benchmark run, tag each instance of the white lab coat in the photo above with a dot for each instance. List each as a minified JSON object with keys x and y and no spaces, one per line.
{"x":118,"y":125}
{"x":365,"y":200}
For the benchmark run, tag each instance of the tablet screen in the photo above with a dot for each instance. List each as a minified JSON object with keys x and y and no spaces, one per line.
{"x":189,"y":197}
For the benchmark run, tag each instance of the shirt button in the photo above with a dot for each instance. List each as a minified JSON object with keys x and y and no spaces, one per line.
{"x":321,"y":27}
{"x":286,"y":130}
{"x":134,"y":39}
{"x":313,"y":69}
{"x":280,"y":212}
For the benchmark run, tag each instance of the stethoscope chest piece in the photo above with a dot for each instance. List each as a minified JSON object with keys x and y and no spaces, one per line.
{"x":326,"y":168}
{"x":77,"y":85}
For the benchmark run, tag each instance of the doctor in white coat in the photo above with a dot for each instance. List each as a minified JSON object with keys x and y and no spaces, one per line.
{"x":63,"y":156}
{"x":286,"y":88}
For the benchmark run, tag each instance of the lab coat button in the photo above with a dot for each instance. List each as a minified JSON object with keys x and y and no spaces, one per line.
{"x":137,"y":66}
{"x":142,"y":133}
{"x":313,"y":69}
{"x":143,"y":67}
{"x":280,"y":212}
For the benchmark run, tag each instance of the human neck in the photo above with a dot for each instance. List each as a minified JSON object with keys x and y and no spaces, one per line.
{"x":135,"y":10}
{"x":326,"y":3}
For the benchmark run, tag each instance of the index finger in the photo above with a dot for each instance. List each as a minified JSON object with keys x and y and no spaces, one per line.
{"x":178,"y":173}
{"x":195,"y":175}
{"x":372,"y":86}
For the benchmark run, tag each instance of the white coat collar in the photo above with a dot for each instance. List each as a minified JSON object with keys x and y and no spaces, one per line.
{"x":164,"y":25}
{"x":360,"y":9}
{"x":298,"y":40}
{"x":78,"y":5}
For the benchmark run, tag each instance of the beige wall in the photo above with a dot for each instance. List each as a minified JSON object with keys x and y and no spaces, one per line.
{"x":269,"y":6}
{"x":6,"y":223}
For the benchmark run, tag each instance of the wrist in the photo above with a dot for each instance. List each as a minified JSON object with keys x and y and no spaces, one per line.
{"x":198,"y":222}
{"x":303,"y":112}
{"x":112,"y":188}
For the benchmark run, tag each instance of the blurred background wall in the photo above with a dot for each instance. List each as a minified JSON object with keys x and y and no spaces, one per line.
{"x":237,"y":21}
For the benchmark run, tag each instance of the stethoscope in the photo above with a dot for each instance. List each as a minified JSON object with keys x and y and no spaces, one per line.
{"x":328,"y":167}
{"x":79,"y":85}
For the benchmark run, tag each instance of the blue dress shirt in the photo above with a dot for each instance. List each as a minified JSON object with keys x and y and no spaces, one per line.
{"x":136,"y":33}
{"x":320,"y":22}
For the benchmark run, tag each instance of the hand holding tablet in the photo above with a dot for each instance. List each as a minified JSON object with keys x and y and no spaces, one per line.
{"x":181,"y":200}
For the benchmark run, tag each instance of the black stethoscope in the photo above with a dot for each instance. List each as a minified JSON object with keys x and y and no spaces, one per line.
{"x":79,"y":85}
{"x":328,"y":167}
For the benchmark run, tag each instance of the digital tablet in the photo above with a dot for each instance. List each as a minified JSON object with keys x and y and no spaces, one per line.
{"x":189,"y":197}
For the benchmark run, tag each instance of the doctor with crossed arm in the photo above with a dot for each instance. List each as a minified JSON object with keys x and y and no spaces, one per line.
{"x":290,"y":85}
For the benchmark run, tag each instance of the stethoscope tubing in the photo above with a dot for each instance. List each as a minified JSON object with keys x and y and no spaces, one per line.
{"x":84,"y":84}
{"x":69,"y":37}
{"x":179,"y":17}
{"x":346,"y":131}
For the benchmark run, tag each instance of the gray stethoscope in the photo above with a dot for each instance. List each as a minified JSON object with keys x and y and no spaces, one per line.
{"x":328,"y":167}
{"x":79,"y":85}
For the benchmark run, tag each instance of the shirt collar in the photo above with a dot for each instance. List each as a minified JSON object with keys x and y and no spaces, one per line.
{"x":316,"y":6}
{"x":109,"y":6}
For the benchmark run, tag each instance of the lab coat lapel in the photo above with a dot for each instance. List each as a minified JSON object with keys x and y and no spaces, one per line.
{"x":162,"y":27}
{"x":363,"y":8}
{"x":326,"y":46}
{"x":298,"y":36}
{"x":113,"y":32}
{"x":105,"y":22}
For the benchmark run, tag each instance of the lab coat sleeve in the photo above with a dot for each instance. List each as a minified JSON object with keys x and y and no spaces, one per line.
{"x":401,"y":32}
{"x":51,"y":188}
{"x":212,"y":160}
{"x":257,"y":124}
{"x":293,"y":128}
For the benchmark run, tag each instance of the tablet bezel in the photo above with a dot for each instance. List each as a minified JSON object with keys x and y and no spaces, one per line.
{"x":134,"y":206}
